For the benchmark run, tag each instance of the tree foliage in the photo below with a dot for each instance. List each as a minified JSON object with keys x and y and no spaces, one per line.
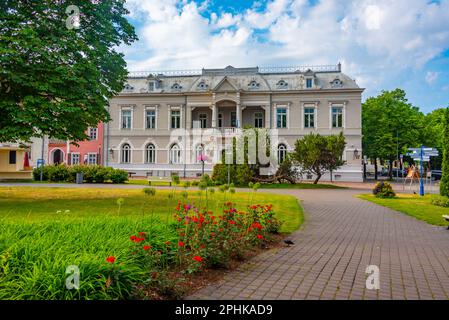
{"x":390,"y":124}
{"x":319,"y":154}
{"x":55,"y":80}
{"x":444,"y":184}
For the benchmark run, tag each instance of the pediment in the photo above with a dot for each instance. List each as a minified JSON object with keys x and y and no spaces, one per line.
{"x":225,"y":85}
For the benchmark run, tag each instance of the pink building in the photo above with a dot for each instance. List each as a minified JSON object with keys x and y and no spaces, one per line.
{"x":88,"y":152}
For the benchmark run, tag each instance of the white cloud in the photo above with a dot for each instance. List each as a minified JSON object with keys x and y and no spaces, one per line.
{"x":373,"y":39}
{"x":431,"y":77}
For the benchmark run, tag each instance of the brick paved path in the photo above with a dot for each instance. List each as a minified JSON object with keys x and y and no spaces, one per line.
{"x":342,"y":235}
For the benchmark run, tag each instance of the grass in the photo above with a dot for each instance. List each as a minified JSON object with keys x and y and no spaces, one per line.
{"x":413,"y":205}
{"x":45,"y":230}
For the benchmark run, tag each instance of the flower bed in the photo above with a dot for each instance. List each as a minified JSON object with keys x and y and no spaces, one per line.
{"x":201,"y":239}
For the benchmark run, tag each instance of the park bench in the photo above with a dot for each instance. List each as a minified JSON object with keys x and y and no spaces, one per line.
{"x":152,"y":180}
{"x":447,"y":219}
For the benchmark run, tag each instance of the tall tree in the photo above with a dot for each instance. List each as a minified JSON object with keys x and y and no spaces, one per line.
{"x":58,"y":71}
{"x":444,"y":184}
{"x":433,"y":133}
{"x":390,"y":124}
{"x":319,"y":154}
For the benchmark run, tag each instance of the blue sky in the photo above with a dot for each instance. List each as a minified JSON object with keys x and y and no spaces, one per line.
{"x":383,"y":44}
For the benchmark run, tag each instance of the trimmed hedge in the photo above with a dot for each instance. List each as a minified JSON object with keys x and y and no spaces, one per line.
{"x":91,"y":173}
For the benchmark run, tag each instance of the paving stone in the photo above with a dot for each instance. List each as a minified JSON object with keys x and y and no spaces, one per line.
{"x":341,"y":237}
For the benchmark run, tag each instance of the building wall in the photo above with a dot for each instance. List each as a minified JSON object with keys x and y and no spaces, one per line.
{"x":83,"y":149}
{"x":16,"y":170}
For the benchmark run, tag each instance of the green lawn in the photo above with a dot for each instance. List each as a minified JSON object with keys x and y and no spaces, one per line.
{"x":413,"y":205}
{"x":45,"y":230}
{"x":30,"y":204}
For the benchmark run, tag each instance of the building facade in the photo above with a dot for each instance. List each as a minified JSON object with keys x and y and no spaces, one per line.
{"x":86,"y":152}
{"x":155,"y":117}
{"x":14,"y":163}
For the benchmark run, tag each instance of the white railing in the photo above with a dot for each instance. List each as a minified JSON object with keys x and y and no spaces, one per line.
{"x":197,"y":72}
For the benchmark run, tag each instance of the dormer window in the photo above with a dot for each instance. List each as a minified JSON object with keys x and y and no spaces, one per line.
{"x":176,"y":87}
{"x":309,"y":83}
{"x":202,"y":86}
{"x":152,"y":86}
{"x":254,"y":85}
{"x":336,"y":83}
{"x":282,"y":84}
{"x":128,"y":88}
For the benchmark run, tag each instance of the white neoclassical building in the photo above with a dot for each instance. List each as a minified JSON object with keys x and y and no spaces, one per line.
{"x":155,"y":116}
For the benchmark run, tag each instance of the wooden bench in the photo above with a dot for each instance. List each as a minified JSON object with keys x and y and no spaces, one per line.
{"x":447,"y":219}
{"x":153,"y":180}
{"x":130,"y":174}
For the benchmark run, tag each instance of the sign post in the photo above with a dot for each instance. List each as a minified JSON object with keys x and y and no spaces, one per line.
{"x":422,"y":155}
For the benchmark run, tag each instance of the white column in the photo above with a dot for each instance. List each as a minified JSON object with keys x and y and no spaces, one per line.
{"x":267,"y":111}
{"x":188,"y":117}
{"x":214,"y":115}
{"x":239,"y":115}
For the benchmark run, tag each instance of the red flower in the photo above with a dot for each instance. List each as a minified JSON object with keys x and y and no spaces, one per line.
{"x":231,"y":222}
{"x":132,"y":238}
{"x":142,"y":234}
{"x":138,"y":239}
{"x":181,"y":244}
{"x":146,"y":248}
{"x":167,"y":243}
{"x":110,"y":259}
{"x":213,"y":234}
{"x":259,"y":237}
{"x":182,"y":235}
{"x":202,"y":246}
{"x":197,"y":258}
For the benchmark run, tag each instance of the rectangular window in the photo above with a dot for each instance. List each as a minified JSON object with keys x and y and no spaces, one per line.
{"x":92,"y":133}
{"x":258,"y":120}
{"x":150,"y":116}
{"x":12,"y":157}
{"x":281,"y":118}
{"x":92,"y":158}
{"x":126,"y":119}
{"x":337,"y":117}
{"x":151,"y":86}
{"x":75,"y":158}
{"x":203,"y":120}
{"x":309,"y":83}
{"x":220,"y":120}
{"x":309,"y":117}
{"x":233,"y":119}
{"x":175,"y":119}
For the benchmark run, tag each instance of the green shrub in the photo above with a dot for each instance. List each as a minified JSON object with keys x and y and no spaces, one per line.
{"x":440,"y":201}
{"x":384,"y":190}
{"x":37,"y":173}
{"x":91,"y":173}
{"x":240,"y":174}
{"x":58,"y":173}
{"x":118,"y":176}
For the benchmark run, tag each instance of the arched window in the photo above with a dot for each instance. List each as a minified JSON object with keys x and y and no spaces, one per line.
{"x":199,"y":153}
{"x":150,"y":153}
{"x":126,"y":153}
{"x":175,"y":154}
{"x":282,"y":153}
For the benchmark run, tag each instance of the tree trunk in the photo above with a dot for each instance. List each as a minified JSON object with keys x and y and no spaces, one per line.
{"x":390,"y":170}
{"x":318,"y":177}
{"x":375,"y":169}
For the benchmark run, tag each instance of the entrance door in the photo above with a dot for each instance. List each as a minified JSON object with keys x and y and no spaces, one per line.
{"x":58,"y":157}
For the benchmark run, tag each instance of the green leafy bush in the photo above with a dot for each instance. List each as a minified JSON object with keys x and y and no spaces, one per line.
{"x":384,"y":190}
{"x":440,"y":201}
{"x":240,"y":174}
{"x":91,"y":173}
